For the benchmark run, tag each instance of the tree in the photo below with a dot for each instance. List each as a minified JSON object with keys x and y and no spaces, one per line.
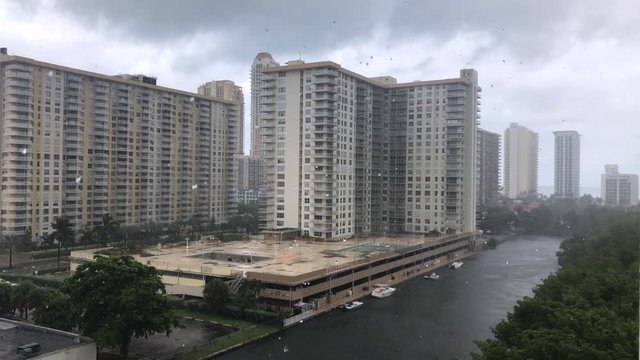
{"x":117,"y":298}
{"x":86,"y":235}
{"x":5,"y":299}
{"x":26,"y":296}
{"x":54,"y":312}
{"x":248,"y":294}
{"x":587,"y":310}
{"x":108,"y":230}
{"x":216,"y":295}
{"x":62,"y":231}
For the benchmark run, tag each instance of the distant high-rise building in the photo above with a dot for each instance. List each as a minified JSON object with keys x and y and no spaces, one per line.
{"x":618,"y":189}
{"x":567,"y":164}
{"x":250,"y":173}
{"x":520,"y":161}
{"x":348,"y":155}
{"x":228,"y":91}
{"x":82,"y":145}
{"x":488,"y":163}
{"x":262,"y":61}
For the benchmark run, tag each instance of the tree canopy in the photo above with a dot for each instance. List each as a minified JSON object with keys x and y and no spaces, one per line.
{"x":587,"y":310}
{"x":216,"y":295}
{"x":116,"y":298}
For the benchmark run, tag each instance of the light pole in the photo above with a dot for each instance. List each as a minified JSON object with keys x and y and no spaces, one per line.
{"x":58,"y":243}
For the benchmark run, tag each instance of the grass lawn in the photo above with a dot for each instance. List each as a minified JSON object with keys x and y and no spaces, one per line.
{"x":247,"y":332}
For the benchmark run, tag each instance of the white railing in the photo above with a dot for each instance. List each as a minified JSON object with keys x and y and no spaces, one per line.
{"x":300,"y":317}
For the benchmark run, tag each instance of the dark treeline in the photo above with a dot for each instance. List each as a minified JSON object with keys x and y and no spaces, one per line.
{"x":589,"y":308}
{"x":553,"y":216}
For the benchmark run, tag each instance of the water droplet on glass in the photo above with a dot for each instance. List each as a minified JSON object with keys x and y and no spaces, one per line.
{"x":286,"y":349}
{"x":192,"y":99}
{"x":266,"y":29}
{"x":24,"y":151}
{"x":194,"y":186}
{"x":391,"y":59}
{"x":371,"y":57}
{"x":491,"y":85}
{"x":78,"y":179}
{"x":504,"y":61}
{"x":367,"y":64}
{"x":333,"y":22}
{"x":50,"y":73}
{"x":506,"y":262}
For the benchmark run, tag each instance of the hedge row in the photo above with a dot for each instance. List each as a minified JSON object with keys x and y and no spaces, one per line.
{"x":232,"y":311}
{"x":38,"y":281}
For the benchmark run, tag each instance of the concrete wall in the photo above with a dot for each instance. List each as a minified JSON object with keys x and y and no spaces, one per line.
{"x":86,"y":351}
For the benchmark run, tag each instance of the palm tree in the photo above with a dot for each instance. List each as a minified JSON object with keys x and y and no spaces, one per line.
{"x":63,"y":231}
{"x":26,"y":296}
{"x":108,"y":229}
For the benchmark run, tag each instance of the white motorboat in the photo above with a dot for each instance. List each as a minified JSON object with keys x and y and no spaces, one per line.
{"x":383,"y":291}
{"x":455,"y":265}
{"x":352,"y":305}
{"x":433,"y":276}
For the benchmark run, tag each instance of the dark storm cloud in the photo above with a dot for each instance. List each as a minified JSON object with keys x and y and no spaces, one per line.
{"x":273,"y":25}
{"x":527,"y":29}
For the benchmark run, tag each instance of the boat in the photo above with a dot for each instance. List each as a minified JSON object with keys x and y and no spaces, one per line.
{"x":383,"y":291}
{"x":455,"y":265}
{"x":352,"y":305}
{"x":433,"y":276}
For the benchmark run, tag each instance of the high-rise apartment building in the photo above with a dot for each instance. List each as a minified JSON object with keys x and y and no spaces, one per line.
{"x":488,"y":165}
{"x":228,"y":91}
{"x":520,"y":161}
{"x":618,"y":189}
{"x":250,"y":173}
{"x":81,"y":145}
{"x":567,"y":164}
{"x":348,"y":155}
{"x":262,"y":61}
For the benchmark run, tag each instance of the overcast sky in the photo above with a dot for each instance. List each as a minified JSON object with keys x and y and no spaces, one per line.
{"x":548,"y":65}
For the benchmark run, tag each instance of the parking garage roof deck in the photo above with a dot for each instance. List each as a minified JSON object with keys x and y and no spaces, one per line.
{"x":278,"y":261}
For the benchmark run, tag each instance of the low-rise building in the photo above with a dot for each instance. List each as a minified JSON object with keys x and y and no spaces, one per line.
{"x":19,"y":340}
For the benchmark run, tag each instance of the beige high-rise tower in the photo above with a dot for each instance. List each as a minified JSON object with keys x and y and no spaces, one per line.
{"x":520,"y":161}
{"x":262,"y":61}
{"x":348,"y":155}
{"x":82,"y":145}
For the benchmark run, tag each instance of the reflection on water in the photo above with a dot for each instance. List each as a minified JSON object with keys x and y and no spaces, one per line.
{"x":424,"y":319}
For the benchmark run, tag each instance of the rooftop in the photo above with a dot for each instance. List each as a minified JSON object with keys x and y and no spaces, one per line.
{"x":14,"y":334}
{"x":287,"y":260}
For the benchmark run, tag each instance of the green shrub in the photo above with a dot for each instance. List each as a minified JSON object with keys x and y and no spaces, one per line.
{"x":194,"y":305}
{"x":232,"y":311}
{"x":258,"y":316}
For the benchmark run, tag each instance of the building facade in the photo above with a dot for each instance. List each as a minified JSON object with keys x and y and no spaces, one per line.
{"x":520,"y":161}
{"x":83,"y":145}
{"x":567,"y":164}
{"x":250,"y":173}
{"x":349,"y":155}
{"x":228,"y":91}
{"x":618,"y":189}
{"x":488,"y":165}
{"x":262,"y":60}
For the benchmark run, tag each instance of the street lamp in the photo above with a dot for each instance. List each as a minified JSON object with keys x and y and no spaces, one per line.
{"x":56,"y":242}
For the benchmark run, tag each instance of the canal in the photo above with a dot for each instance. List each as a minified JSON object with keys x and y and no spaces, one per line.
{"x":424,"y":319}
